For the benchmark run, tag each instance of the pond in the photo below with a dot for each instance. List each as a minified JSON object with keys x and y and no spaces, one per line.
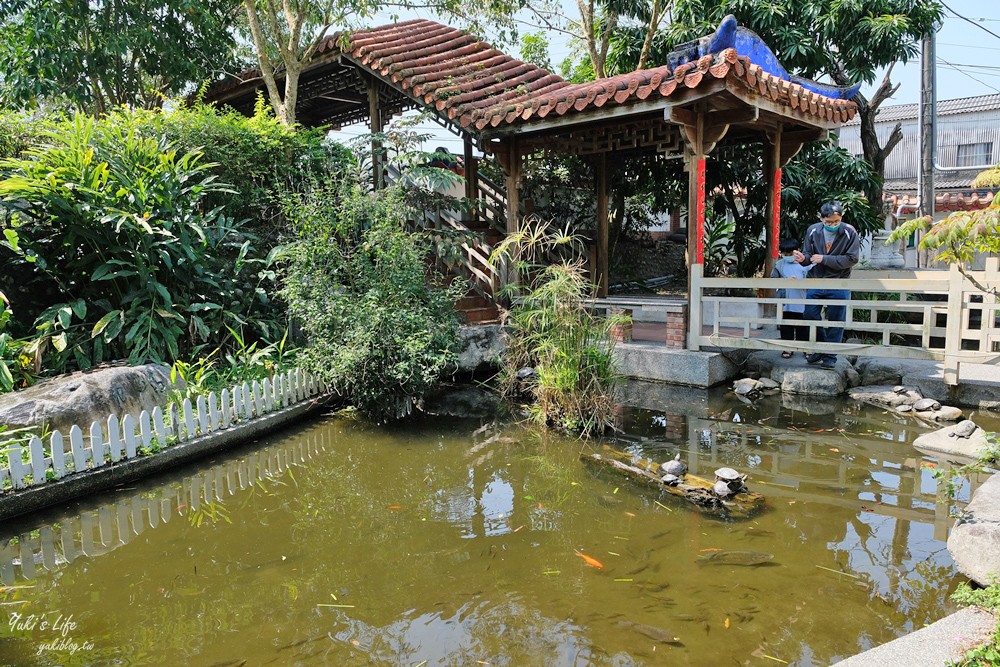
{"x":460,"y":542}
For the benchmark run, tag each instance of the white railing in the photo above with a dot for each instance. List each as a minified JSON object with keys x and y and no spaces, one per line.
{"x":118,"y":439}
{"x":946,"y":317}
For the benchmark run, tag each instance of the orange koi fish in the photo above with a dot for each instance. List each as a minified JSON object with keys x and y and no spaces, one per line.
{"x":592,"y":562}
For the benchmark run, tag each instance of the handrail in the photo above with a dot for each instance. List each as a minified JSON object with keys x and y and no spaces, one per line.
{"x":960,"y":328}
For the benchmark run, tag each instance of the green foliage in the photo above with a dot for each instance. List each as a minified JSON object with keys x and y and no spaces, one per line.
{"x":846,"y":40}
{"x":101,"y":54}
{"x":258,"y":156}
{"x":357,"y":283}
{"x":535,"y":49}
{"x":719,"y":256}
{"x":552,"y":330}
{"x":959,"y":237}
{"x":822,"y":172}
{"x":17,"y":133}
{"x":989,"y":457}
{"x":117,"y":250}
{"x":986,"y":654}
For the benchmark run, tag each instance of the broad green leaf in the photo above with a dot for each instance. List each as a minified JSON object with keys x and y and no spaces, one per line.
{"x":103,"y":323}
{"x":59,"y":341}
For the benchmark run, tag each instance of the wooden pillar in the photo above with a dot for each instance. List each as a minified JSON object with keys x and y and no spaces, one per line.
{"x":601,"y":182}
{"x":375,"y":117}
{"x":772,"y":174}
{"x":696,"y":226}
{"x":471,"y":179}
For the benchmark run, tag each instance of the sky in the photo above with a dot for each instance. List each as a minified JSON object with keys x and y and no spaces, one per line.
{"x":968,"y":61}
{"x":968,"y":55}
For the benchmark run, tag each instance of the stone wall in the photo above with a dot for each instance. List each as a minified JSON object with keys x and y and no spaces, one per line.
{"x":644,"y":259}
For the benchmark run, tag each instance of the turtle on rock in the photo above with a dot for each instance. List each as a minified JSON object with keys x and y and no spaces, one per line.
{"x":674,"y":467}
{"x":963,"y":429}
{"x":925,"y":404}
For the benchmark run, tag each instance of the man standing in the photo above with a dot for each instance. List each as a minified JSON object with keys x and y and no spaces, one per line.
{"x":832,"y":247}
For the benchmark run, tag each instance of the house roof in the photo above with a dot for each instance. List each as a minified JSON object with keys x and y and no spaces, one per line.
{"x":479,"y":88}
{"x":944,"y":202}
{"x":898,"y":112}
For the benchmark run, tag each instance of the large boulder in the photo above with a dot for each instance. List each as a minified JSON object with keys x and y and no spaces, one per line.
{"x":480,"y":346}
{"x":946,"y":441}
{"x":974,"y":542}
{"x":461,"y":401}
{"x":87,"y":396}
{"x":886,"y":395}
{"x":814,"y":381}
{"x":874,"y":371}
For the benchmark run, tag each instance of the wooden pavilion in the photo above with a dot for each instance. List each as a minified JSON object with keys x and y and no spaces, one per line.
{"x":712,"y":91}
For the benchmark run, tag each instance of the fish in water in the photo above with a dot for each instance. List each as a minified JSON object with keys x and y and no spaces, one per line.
{"x":734,"y":558}
{"x":592,"y":562}
{"x":651,"y":631}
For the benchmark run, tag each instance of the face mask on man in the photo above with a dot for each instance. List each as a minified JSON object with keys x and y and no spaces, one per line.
{"x":833,"y":228}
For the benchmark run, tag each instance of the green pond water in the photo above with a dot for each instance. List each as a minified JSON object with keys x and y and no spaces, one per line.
{"x":457,"y":542}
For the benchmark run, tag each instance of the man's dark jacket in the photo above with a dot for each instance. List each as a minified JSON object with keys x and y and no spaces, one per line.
{"x":842,"y":255}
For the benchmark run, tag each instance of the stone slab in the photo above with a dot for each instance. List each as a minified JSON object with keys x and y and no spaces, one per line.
{"x":648,"y":361}
{"x":932,"y":646}
{"x":480,"y":347}
{"x":942,"y":442}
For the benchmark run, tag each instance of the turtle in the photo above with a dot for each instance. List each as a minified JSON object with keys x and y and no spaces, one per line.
{"x":721,"y":489}
{"x":925,"y":404}
{"x":730,"y":478}
{"x":963,"y":429}
{"x":904,"y":408}
{"x":670,"y":480}
{"x":674,"y":466}
{"x":899,"y":389}
{"x":727,"y":474}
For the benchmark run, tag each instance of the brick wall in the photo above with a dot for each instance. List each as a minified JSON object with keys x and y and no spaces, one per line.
{"x":677,"y":327}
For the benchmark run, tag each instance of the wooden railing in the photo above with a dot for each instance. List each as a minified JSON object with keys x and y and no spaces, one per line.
{"x":939,"y":315}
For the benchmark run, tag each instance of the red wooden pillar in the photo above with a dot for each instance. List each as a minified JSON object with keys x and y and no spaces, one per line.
{"x":772,"y":168}
{"x":696,"y":226}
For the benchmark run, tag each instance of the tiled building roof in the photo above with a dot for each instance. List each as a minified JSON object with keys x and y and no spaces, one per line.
{"x":943,"y":202}
{"x":480,"y":87}
{"x":898,"y":112}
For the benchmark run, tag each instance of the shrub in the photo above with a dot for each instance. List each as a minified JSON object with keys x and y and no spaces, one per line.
{"x":551,"y":329}
{"x":357,"y":283}
{"x":118,"y":249}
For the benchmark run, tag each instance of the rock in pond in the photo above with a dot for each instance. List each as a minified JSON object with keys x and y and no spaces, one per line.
{"x":974,"y":542}
{"x":87,"y":396}
{"x":814,"y":381}
{"x":956,"y":440}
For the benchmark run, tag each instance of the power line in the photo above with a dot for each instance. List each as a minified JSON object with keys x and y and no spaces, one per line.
{"x":942,"y":60}
{"x":971,"y":46}
{"x":978,"y":25}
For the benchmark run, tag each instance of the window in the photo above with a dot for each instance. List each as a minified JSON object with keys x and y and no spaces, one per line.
{"x":975,"y":155}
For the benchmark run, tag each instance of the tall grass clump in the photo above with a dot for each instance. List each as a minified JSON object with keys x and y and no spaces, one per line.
{"x":552,"y":329}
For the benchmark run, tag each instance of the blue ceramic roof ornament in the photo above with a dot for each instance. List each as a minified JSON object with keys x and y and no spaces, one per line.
{"x":748,"y":43}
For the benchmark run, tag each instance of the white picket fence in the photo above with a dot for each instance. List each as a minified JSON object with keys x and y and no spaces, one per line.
{"x":102,"y":527}
{"x":118,"y":439}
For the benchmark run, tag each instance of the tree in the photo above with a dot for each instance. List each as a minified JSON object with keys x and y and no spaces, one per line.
{"x":285,"y":38}
{"x":846,"y":41}
{"x":100,"y":54}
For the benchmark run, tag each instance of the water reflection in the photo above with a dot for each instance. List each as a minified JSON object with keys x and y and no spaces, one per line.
{"x":453,"y":542}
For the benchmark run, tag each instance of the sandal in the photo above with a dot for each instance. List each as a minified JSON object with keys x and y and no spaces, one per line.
{"x":786,"y":355}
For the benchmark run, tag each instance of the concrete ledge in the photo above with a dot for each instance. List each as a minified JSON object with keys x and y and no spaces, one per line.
{"x":932,"y":646}
{"x":651,"y":361}
{"x":115,"y":474}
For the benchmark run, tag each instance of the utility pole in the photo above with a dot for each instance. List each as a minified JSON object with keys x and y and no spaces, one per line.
{"x":927,"y":129}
